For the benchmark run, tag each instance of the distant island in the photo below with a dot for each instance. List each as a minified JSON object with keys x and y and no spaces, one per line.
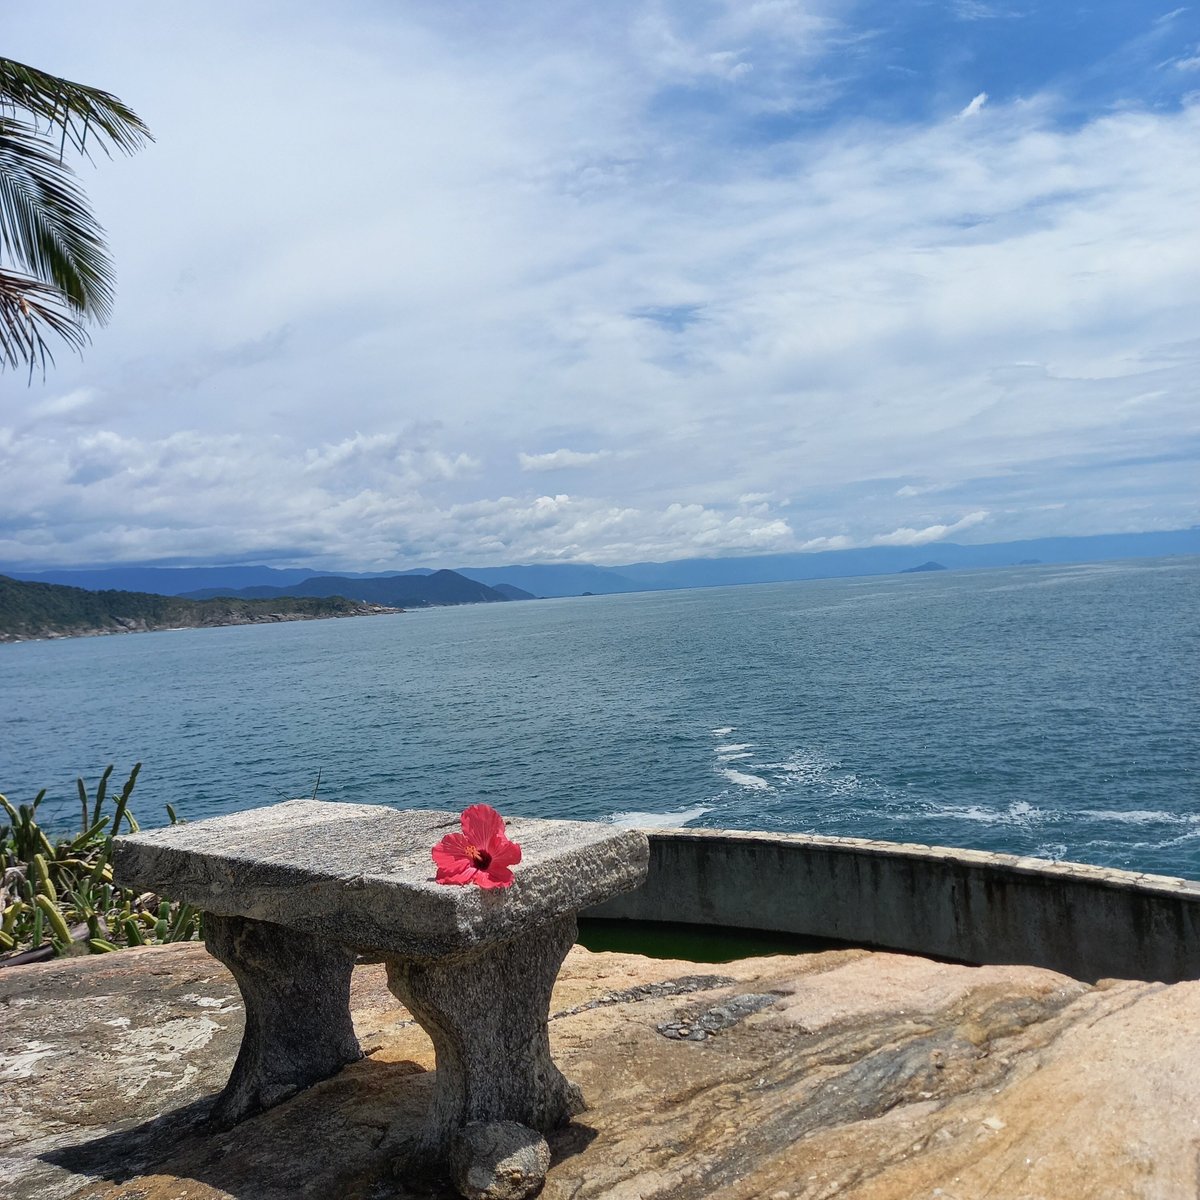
{"x":925,"y":566}
{"x":30,"y":611}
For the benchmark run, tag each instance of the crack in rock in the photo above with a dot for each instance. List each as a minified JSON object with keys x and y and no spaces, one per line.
{"x":713,"y":1020}
{"x":652,"y":991}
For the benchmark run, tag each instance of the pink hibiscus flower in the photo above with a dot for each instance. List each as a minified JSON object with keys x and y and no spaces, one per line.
{"x":481,"y":854}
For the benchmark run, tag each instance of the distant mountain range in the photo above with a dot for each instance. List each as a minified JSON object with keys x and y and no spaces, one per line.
{"x":562,"y":579}
{"x":404,"y":589}
{"x":396,"y":591}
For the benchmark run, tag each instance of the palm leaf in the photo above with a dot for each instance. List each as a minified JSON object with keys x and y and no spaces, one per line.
{"x":46,"y":226}
{"x":63,"y":274}
{"x":74,"y":108}
{"x":29,"y":311}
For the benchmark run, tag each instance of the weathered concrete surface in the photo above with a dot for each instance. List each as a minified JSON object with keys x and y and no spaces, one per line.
{"x":498,"y":1160}
{"x":870,"y":1076}
{"x":363,"y":871}
{"x":487,"y":1014}
{"x":296,"y":995}
{"x":1089,"y":922}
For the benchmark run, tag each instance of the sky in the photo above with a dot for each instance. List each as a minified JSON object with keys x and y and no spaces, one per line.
{"x":458,"y":283}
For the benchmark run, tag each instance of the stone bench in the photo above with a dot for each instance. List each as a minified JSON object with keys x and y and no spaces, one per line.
{"x":293,"y":893}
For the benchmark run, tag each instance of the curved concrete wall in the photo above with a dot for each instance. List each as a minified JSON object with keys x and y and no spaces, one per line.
{"x":1088,"y":922}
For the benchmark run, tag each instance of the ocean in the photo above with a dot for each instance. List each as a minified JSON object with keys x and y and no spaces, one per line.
{"x":1044,"y":710}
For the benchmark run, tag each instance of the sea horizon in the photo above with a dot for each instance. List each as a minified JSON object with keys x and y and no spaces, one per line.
{"x":1043,"y":710}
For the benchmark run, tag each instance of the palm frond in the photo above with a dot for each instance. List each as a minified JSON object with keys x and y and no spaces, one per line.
{"x":29,"y":311}
{"x":76,"y":110}
{"x":63,"y":274}
{"x":46,"y":226}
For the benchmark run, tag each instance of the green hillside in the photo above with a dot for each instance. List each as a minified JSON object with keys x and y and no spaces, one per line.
{"x":39,"y":610}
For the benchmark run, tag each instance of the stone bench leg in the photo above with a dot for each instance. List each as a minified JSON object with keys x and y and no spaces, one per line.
{"x":486,"y":1011}
{"x":297,"y":993}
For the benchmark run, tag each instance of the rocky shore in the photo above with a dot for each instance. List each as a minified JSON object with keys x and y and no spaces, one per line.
{"x":31,"y":611}
{"x":848,"y":1073}
{"x":210,"y":619}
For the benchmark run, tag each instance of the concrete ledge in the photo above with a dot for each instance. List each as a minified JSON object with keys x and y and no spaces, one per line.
{"x":1087,"y":922}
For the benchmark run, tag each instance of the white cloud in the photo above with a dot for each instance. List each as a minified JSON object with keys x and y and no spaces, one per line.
{"x":931,"y":533}
{"x":104,"y":497}
{"x":556,"y":460}
{"x":837,"y":542}
{"x":64,"y":404}
{"x":977,"y":10}
{"x":400,"y":456}
{"x":909,"y":489}
{"x":352,"y":364}
{"x":974,"y":107}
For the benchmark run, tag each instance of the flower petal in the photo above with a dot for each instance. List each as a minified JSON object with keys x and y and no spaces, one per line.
{"x":494,"y":877}
{"x":463,"y":873}
{"x":504,"y":853}
{"x":451,"y":849}
{"x":481,"y":823}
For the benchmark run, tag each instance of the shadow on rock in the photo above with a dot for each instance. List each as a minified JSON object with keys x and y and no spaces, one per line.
{"x":338,"y":1138}
{"x":569,"y":1141}
{"x":131,"y":1152}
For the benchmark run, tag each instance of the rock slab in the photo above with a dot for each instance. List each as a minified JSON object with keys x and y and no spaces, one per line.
{"x":870,"y":1076}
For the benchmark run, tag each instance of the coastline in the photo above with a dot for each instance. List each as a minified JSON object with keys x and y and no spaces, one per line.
{"x":141,"y":625}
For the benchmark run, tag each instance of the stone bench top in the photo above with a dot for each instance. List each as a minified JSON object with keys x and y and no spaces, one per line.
{"x":361,"y":874}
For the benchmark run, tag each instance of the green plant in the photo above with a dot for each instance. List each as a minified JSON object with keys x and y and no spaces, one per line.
{"x":61,"y":896}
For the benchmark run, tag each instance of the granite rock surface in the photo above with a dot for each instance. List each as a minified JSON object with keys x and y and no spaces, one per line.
{"x":866,"y":1075}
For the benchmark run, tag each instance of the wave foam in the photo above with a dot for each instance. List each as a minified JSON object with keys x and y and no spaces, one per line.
{"x":1021,"y":812}
{"x":814,"y":770}
{"x":756,"y":782}
{"x":731,"y":748}
{"x":1054,"y":851}
{"x":658,"y":820}
{"x":724,"y":731}
{"x":1137,"y":816}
